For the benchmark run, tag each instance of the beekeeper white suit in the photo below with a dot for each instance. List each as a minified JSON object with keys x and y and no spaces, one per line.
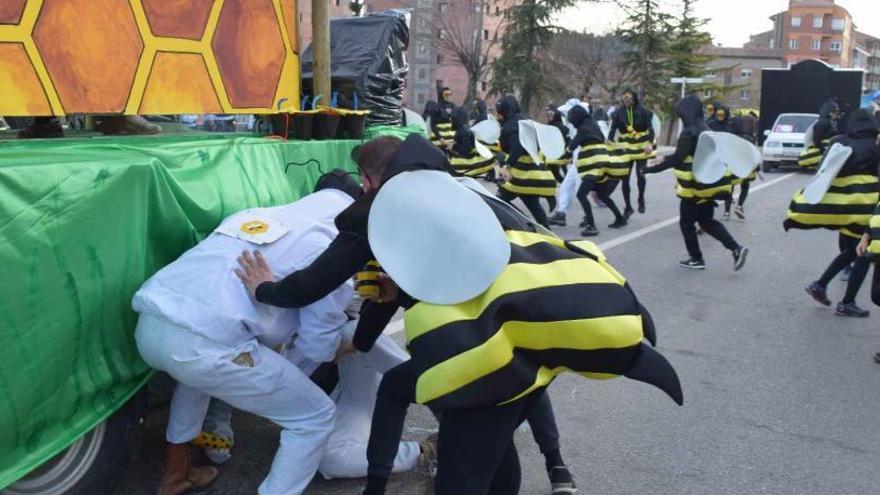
{"x":199,"y":324}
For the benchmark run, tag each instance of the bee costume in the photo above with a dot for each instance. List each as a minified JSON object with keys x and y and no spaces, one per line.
{"x":464,"y":157}
{"x":824,"y":131}
{"x":502,"y":309}
{"x":633,"y":127}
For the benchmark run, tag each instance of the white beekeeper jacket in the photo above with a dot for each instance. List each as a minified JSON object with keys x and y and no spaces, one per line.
{"x":201,"y":292}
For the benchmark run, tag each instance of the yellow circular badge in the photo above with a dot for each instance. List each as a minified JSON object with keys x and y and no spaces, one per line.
{"x":255,"y":227}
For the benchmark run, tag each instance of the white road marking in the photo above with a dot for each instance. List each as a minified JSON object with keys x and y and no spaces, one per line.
{"x":396,"y":326}
{"x":605,"y":246}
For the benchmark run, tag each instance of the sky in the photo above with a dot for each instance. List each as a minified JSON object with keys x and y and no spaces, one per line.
{"x":730,"y":21}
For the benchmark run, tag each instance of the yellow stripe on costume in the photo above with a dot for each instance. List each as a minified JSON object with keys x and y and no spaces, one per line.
{"x":874,"y":225}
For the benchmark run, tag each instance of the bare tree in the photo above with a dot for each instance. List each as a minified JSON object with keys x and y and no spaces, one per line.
{"x":462,"y":35}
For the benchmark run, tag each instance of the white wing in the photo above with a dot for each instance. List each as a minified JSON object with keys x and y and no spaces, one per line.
{"x":550,"y":141}
{"x":412,"y":118}
{"x":528,"y":138}
{"x":709,"y":167}
{"x":488,"y":131}
{"x":835,"y":159}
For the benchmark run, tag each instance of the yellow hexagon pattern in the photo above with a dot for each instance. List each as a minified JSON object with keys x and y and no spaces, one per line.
{"x":147,"y":56}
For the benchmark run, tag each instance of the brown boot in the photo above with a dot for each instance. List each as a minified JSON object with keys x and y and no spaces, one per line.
{"x":180,"y":476}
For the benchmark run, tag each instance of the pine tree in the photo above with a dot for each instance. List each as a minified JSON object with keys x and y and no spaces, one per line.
{"x":529,"y":29}
{"x":647,"y":32}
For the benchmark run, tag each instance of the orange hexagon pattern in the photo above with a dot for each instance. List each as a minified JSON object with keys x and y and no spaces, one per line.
{"x":147,"y":56}
{"x":249,"y":48}
{"x":11,"y":10}
{"x":178,"y":18}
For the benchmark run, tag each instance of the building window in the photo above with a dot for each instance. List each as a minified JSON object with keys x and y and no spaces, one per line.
{"x":337,"y":3}
{"x":483,"y":86}
{"x":817,"y":45}
{"x":423,"y":74}
{"x":744,"y":94}
{"x":794,"y":44}
{"x":707,"y":93}
{"x":795,"y":21}
{"x":712,"y":74}
{"x":836,"y":46}
{"x":423,"y":48}
{"x":439,"y":83}
{"x":439,"y":59}
{"x":421,"y":98}
{"x":838,"y":24}
{"x":817,"y":21}
{"x":485,"y":34}
{"x":746,"y":74}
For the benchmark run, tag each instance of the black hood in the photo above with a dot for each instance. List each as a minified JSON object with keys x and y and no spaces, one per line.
{"x":431,"y":107}
{"x":690,"y":110}
{"x":480,"y":107}
{"x":459,"y":118}
{"x":720,"y":106}
{"x":557,"y":117}
{"x":507,"y":107}
{"x":742,"y":127}
{"x":635,"y":95}
{"x":577,"y":115}
{"x":828,"y":107}
{"x":862,"y":124}
{"x":416,"y":153}
{"x":340,"y":180}
{"x":441,"y":98}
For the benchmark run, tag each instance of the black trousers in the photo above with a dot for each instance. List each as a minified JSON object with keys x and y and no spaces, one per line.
{"x":398,"y":390}
{"x":847,"y":257}
{"x":693,"y":213}
{"x":743,"y":195}
{"x":641,"y":182}
{"x":533,"y":203}
{"x":476,"y":454}
{"x":875,"y":284}
{"x":603,"y":191}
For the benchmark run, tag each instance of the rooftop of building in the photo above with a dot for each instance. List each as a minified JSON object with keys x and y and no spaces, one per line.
{"x":741,"y":52}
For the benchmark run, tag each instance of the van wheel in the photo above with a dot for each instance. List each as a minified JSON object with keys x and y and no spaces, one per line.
{"x":767,"y":167}
{"x":93,"y":464}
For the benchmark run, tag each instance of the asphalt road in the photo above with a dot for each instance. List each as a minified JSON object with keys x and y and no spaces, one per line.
{"x":781,"y":396}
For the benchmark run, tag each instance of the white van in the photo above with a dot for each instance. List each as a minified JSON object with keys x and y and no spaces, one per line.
{"x":785,"y":141}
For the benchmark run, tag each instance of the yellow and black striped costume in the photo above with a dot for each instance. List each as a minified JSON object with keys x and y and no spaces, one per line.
{"x":688,"y":188}
{"x":812,"y":155}
{"x":366,"y":281}
{"x":528,"y":178}
{"x":444,"y":133}
{"x":560,"y":165}
{"x":472,"y":165}
{"x":874,"y":225}
{"x":847,"y":207}
{"x":631,"y":145}
{"x":751,"y":178}
{"x":594,"y":162}
{"x":619,"y":161}
{"x":556,"y":307}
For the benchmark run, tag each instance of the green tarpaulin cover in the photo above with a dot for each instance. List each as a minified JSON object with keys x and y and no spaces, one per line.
{"x":83,"y":223}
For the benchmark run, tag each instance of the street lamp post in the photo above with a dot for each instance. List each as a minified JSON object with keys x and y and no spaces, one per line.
{"x":684,"y":81}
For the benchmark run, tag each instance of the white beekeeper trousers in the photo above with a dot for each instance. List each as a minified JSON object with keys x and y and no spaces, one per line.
{"x":248,"y":376}
{"x":359,"y":378}
{"x":568,"y":189}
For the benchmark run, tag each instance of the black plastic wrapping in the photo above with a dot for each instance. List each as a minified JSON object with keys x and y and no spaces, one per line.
{"x":367,"y":58}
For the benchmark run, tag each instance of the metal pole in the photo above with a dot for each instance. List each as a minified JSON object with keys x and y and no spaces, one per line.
{"x":321,"y":49}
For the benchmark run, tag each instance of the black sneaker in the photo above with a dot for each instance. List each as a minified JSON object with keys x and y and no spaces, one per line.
{"x":590,"y":231}
{"x":693,"y":264}
{"x":818,"y":292}
{"x":561,"y":481}
{"x":642,"y":207}
{"x":851,"y":310}
{"x":628,"y":212}
{"x":618,"y":224}
{"x":584,"y":223}
{"x":558,"y":218}
{"x":877,"y":357}
{"x":739,"y":258}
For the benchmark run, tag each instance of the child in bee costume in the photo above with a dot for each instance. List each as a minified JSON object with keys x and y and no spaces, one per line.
{"x":870,"y":246}
{"x":744,"y":128}
{"x":633,"y":123}
{"x":592,"y":163}
{"x":440,"y":113}
{"x":697,"y":199}
{"x":719,"y":121}
{"x":529,"y":181}
{"x":463,"y":157}
{"x":824,"y":130}
{"x":846,"y":208}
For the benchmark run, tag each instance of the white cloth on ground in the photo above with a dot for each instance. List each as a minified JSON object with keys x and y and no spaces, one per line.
{"x":359,"y":378}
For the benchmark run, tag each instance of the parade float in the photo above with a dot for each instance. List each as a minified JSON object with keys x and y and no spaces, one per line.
{"x":86,"y":219}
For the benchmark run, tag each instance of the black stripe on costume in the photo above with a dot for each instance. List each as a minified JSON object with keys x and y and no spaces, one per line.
{"x":872,"y":187}
{"x":855,"y":228}
{"x":613,"y":361}
{"x":832,"y":209}
{"x":538,"y":183}
{"x":544,"y":304}
{"x":540,"y":253}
